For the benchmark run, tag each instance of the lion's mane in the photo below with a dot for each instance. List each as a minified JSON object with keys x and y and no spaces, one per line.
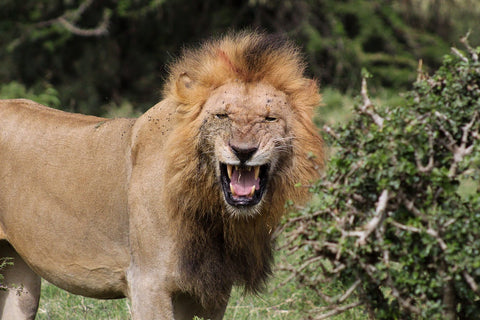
{"x":218,"y":250}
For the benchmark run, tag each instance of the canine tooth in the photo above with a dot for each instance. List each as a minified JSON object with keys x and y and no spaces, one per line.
{"x":257,"y":172}
{"x":252,"y":192}
{"x":229,"y":171}
{"x":232,"y":190}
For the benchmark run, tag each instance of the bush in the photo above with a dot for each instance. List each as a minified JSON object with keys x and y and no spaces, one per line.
{"x":45,"y":94}
{"x":396,"y":220}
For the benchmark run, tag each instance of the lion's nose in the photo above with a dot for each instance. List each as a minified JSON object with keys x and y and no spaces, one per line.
{"x":243,"y":154}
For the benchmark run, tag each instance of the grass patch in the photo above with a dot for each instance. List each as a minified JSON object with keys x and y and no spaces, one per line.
{"x":59,"y":304}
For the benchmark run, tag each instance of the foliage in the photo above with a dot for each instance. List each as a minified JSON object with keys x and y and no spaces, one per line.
{"x":46,"y":95}
{"x":4,"y":262}
{"x":97,"y":53}
{"x":388,"y":221}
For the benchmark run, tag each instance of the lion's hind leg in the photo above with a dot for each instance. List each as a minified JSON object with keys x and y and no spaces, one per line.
{"x":20,"y":287}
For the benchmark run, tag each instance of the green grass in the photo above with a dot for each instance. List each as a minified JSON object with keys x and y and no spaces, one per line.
{"x":58,"y":304}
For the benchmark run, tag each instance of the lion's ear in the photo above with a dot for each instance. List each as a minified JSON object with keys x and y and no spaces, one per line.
{"x":184,"y":85}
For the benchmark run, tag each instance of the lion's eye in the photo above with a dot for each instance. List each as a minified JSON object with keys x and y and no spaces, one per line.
{"x":221,"y":116}
{"x":270,"y":119}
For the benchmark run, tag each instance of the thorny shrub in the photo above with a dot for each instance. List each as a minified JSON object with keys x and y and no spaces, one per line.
{"x":389,"y":224}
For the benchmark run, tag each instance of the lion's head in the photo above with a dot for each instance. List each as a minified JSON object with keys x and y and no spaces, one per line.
{"x":245,"y":138}
{"x":247,"y":128}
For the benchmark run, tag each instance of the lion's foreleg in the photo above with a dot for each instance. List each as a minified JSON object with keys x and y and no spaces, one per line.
{"x":148,"y":296}
{"x":20,"y":287}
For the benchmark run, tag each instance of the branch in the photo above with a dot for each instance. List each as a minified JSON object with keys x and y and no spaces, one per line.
{"x":472,"y":52}
{"x":100,"y":30}
{"x":447,"y":133}
{"x":420,"y":74}
{"x":459,"y":152}
{"x":297,"y":270}
{"x":459,"y":54}
{"x":429,"y":166}
{"x":331,"y":132}
{"x":471,"y":282}
{"x":349,"y":292}
{"x":367,"y":106}
{"x":373,"y":224}
{"x":406,"y":303}
{"x":68,"y":20}
{"x":429,"y":231}
{"x":410,"y":205}
{"x":338,"y":310}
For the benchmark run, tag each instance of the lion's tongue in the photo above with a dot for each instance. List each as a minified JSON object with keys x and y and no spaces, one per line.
{"x":243,"y":181}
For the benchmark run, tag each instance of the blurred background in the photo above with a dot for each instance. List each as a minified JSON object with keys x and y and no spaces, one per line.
{"x":107,"y":57}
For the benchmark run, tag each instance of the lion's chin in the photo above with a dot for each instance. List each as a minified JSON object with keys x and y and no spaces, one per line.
{"x":243,"y":186}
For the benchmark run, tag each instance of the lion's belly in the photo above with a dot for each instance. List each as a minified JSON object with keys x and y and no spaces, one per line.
{"x":81,"y":252}
{"x":75,"y":236}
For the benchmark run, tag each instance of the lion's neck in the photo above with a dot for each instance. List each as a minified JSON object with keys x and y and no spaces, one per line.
{"x":217,"y":254}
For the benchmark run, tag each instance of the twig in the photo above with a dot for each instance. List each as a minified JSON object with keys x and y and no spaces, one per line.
{"x":429,"y":166}
{"x":367,"y":106}
{"x":330,"y":131}
{"x":338,"y":310}
{"x":100,"y":30}
{"x":373,"y":224}
{"x":349,"y":292}
{"x":459,"y":54}
{"x":297,"y":270}
{"x":464,"y":41}
{"x":459,"y":152}
{"x":404,"y":302}
{"x":410,"y":205}
{"x":68,"y":20}
{"x":420,"y":74}
{"x":471,"y":282}
{"x":429,"y":231}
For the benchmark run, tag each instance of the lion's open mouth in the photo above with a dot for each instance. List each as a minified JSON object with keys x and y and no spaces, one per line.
{"x":243,"y":185}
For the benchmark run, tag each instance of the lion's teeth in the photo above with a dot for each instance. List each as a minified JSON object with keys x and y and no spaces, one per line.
{"x":252,"y":191}
{"x":257,"y":172}
{"x":229,"y":170}
{"x":232,"y":190}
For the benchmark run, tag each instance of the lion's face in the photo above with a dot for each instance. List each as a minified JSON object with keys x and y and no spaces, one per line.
{"x":245,"y":136}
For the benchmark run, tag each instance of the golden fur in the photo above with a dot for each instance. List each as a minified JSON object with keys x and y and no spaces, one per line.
{"x":139,"y":208}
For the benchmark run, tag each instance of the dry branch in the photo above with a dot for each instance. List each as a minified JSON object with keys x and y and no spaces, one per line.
{"x":69,"y":19}
{"x":373,"y":223}
{"x":338,"y":310}
{"x":367,"y":105}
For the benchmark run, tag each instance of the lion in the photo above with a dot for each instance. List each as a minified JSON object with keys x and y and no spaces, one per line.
{"x":171,"y":209}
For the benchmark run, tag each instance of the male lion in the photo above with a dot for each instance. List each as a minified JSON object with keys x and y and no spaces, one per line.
{"x":171,"y":209}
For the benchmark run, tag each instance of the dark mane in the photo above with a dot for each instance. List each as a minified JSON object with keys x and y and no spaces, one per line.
{"x":212,"y":261}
